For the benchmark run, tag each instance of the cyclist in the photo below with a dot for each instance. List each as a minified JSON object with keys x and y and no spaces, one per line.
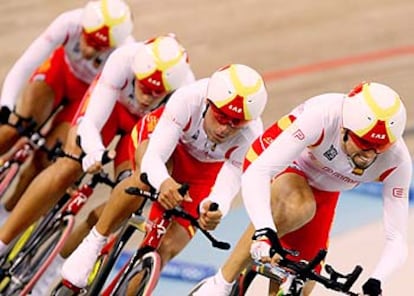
{"x":335,"y":142}
{"x":62,"y":63}
{"x":205,"y":130}
{"x":136,"y":78}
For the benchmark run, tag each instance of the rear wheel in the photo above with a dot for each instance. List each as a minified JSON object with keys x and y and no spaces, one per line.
{"x":34,"y":260}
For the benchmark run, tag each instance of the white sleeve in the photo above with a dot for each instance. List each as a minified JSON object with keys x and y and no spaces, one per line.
{"x":164,"y":139}
{"x":256,"y":180}
{"x":100,"y":106}
{"x":162,"y":144}
{"x":33,"y":57}
{"x":228,"y":180}
{"x":226,"y":187}
{"x":395,"y":194}
{"x":102,"y":100}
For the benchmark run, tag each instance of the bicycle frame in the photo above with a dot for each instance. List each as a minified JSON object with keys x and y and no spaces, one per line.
{"x":152,"y":240}
{"x":62,"y":214}
{"x":150,"y":243}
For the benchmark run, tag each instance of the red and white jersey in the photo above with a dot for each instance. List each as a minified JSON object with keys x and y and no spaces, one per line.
{"x":64,"y":31}
{"x":312,"y":143}
{"x":116,"y":83}
{"x":182,"y":122}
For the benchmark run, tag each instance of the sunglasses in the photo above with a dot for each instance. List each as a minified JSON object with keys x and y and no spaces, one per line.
{"x":150,"y":92}
{"x":224,"y":119}
{"x":92,"y":41}
{"x":366,"y":145}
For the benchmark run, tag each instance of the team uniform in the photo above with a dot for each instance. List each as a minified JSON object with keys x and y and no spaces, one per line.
{"x":63,"y":68}
{"x":211,"y":170}
{"x":308,"y":142}
{"x":111,"y":104}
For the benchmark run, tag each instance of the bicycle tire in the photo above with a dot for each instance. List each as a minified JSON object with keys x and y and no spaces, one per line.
{"x":25,"y":275}
{"x":150,"y":267}
{"x":17,"y":245}
{"x":30,"y":236}
{"x":67,"y":225}
{"x":101,"y":277}
{"x":7,"y":177}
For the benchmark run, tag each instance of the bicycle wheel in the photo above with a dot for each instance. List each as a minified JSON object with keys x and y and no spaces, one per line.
{"x":116,"y":248}
{"x":36,"y":258}
{"x":142,"y":278}
{"x":66,"y":228}
{"x":31,"y":236}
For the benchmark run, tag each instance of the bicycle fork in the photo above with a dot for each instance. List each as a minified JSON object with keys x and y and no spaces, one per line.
{"x":150,"y":243}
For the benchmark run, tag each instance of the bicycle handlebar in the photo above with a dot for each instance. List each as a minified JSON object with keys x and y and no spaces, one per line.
{"x":306,"y":271}
{"x":178,"y":211}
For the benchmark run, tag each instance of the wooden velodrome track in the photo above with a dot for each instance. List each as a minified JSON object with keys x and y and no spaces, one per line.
{"x":303,"y":48}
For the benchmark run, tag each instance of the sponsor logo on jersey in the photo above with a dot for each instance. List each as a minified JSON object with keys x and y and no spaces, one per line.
{"x":331,"y":153}
{"x":398,"y":192}
{"x":298,"y":134}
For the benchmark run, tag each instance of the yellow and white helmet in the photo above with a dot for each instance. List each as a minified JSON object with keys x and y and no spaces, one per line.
{"x":238,"y":91}
{"x":162,"y":65}
{"x":106,"y":23}
{"x":375,"y":114}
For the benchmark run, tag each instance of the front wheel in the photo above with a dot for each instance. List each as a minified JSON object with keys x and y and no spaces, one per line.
{"x":142,"y":278}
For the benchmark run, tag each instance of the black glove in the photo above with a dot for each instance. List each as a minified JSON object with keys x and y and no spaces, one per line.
{"x":372,"y":287}
{"x":4,"y":114}
{"x":271,"y":235}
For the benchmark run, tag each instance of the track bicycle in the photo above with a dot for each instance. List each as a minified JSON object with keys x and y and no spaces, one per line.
{"x":292,"y":275}
{"x":32,"y":139}
{"x":145,"y":262}
{"x":31,"y":255}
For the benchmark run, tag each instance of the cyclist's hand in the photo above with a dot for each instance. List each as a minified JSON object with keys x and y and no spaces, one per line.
{"x":169,"y":196}
{"x":372,"y":287}
{"x":266,"y":246}
{"x":209,"y":219}
{"x":92,"y":162}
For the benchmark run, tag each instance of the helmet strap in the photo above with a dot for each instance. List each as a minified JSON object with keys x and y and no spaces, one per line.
{"x":346,"y":137}
{"x":205,"y":110}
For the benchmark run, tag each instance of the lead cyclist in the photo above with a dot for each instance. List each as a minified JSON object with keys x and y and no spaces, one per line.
{"x":296,"y":170}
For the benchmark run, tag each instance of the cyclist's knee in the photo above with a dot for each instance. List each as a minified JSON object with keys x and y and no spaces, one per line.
{"x":65,"y":171}
{"x":8,"y":136}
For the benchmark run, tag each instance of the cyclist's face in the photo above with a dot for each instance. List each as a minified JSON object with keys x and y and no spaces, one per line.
{"x":362,"y":158}
{"x":218,"y":126}
{"x":89,"y":49}
{"x":147,"y":99}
